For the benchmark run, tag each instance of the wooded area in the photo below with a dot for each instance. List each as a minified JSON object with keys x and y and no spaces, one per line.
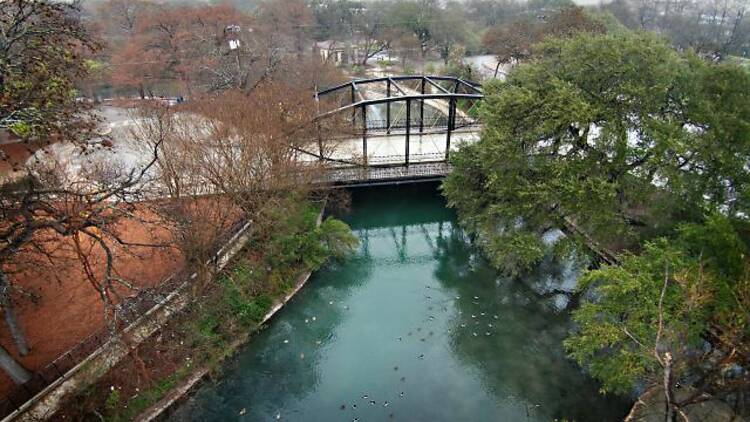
{"x":639,"y":151}
{"x":625,"y":125}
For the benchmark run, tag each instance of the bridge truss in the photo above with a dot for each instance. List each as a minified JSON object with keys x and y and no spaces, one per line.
{"x":396,"y":109}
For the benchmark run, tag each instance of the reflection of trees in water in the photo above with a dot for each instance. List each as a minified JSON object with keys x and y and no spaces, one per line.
{"x":523,"y":358}
{"x":396,"y":206}
{"x":275,"y":373}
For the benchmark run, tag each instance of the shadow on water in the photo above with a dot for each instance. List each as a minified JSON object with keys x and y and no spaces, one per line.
{"x":415,"y":326}
{"x":522,"y":323}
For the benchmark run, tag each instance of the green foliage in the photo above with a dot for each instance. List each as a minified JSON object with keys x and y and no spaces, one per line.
{"x":93,"y":65}
{"x":634,"y":148}
{"x":718,"y":243}
{"x":246,"y":308}
{"x":206,"y":327}
{"x":706,"y":290}
{"x":618,"y":330}
{"x":616,"y":133}
{"x":337,"y":238}
{"x":358,"y":69}
{"x":515,"y":253}
{"x":22,"y":129}
{"x":146,"y":398}
{"x":244,"y":294}
{"x":297,"y":244}
{"x":461,"y":70}
{"x":408,"y":70}
{"x":300,"y":240}
{"x":40,"y":71}
{"x":113,"y":400}
{"x":385,"y":63}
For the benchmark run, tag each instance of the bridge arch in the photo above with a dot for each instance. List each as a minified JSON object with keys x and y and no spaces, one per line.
{"x":405,"y":106}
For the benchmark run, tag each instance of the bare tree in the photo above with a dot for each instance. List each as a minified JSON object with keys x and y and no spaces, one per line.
{"x":198,"y":218}
{"x":712,"y":28}
{"x":243,"y":148}
{"x":288,"y":23}
{"x":513,"y":43}
{"x":120,"y":18}
{"x":50,"y":204}
{"x":447,"y":30}
{"x":35,"y":100}
{"x":369,"y":26}
{"x":40,"y":61}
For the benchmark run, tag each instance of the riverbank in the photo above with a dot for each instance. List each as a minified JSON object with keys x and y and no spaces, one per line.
{"x":262,"y":278}
{"x":179,"y":392}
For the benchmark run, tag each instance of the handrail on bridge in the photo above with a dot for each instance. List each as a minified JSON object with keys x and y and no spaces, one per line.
{"x":476,"y":87}
{"x":414,"y":97}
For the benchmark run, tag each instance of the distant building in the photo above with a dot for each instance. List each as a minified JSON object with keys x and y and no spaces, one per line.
{"x":341,"y":52}
{"x":333,"y":51}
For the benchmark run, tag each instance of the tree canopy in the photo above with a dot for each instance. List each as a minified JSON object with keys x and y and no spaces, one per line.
{"x":639,"y":154}
{"x":37,"y":91}
{"x":676,"y":314}
{"x":617,"y":136}
{"x":513,"y":42}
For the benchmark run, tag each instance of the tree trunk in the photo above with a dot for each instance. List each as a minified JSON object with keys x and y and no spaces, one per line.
{"x":669,"y":412}
{"x":15,"y":371}
{"x":497,"y":68}
{"x":10,"y":317}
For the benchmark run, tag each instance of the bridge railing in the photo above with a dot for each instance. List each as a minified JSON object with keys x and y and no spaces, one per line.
{"x":379,"y":127}
{"x":415,"y":125}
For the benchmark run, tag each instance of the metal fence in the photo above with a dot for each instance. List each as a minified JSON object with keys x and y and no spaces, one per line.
{"x":364,"y":176}
{"x":378,"y":127}
{"x":128,"y":311}
{"x":440,"y":122}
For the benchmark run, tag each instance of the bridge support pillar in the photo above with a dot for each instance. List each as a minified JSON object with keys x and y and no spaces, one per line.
{"x":408,"y":131}
{"x":364,"y":133}
{"x":388,"y":107}
{"x":354,"y":109}
{"x":451,"y":124}
{"x":421,"y":110}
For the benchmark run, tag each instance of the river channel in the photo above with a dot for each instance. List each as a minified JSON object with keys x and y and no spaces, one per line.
{"x":415,"y":326}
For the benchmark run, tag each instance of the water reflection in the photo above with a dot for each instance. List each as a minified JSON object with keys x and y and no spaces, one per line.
{"x":521,"y":323}
{"x":415,"y":327}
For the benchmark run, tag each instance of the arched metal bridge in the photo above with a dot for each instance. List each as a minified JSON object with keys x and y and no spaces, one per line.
{"x":396,"y":128}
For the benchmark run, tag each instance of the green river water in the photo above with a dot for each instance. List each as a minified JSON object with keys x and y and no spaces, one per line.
{"x":414,"y":327}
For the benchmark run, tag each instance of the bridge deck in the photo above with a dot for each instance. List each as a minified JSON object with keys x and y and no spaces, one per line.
{"x":373,"y":176}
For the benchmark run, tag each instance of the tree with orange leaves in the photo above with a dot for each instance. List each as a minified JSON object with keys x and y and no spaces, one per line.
{"x":193,"y":46}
